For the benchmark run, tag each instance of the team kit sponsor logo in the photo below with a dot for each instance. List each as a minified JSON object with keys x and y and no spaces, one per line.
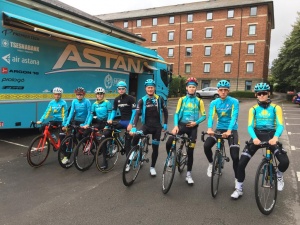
{"x":19,"y":46}
{"x":11,"y":32}
{"x":12,"y":79}
{"x":5,"y":70}
{"x":15,"y":59}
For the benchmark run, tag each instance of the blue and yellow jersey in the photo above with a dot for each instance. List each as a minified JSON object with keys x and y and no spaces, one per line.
{"x":189,"y":109}
{"x":81,"y":109}
{"x":102,"y":109}
{"x":56,"y":111}
{"x":267,"y":119}
{"x":227,"y":111}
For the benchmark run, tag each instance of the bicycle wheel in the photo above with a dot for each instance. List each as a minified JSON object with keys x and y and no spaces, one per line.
{"x":84,"y":154}
{"x":181,"y":159}
{"x":67,"y":148}
{"x":132,"y":166}
{"x":265,"y":187}
{"x":216,"y":173}
{"x":111,"y":148}
{"x":169,"y":171}
{"x":38,"y":151}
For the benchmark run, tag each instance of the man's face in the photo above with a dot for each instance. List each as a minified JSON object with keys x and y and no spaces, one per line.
{"x":57,"y":96}
{"x":191,"y":89}
{"x":150,"y":90}
{"x":121,"y":90}
{"x":223,"y":92}
{"x":262,"y":96}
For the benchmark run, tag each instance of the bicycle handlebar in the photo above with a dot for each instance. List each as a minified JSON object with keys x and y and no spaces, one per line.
{"x":176,"y":136}
{"x":217,"y":135}
{"x":265,"y":144}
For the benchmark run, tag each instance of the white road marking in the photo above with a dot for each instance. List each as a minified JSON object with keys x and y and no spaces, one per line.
{"x":291,"y":124}
{"x":290,"y":118}
{"x":290,"y":133}
{"x":13,"y":143}
{"x":293,"y":147}
{"x":298,"y":175}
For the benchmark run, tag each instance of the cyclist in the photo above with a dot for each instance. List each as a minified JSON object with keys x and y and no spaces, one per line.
{"x":56,"y":111}
{"x":150,"y":107}
{"x":226,"y":109}
{"x":186,"y":120}
{"x":264,"y":124}
{"x":126,"y":105}
{"x":79,"y":112}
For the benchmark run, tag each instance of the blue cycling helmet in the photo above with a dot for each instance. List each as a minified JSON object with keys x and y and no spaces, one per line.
{"x":150,"y":82}
{"x":261,"y":87}
{"x":121,"y":84}
{"x":223,"y":84}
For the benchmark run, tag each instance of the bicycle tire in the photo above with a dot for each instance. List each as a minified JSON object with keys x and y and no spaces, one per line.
{"x":264,"y":188}
{"x":133,"y":160}
{"x":84,"y":154}
{"x":169,"y":171}
{"x":112,"y":154}
{"x":216,"y":173}
{"x":67,"y":148}
{"x":181,"y":159}
{"x":37,"y":154}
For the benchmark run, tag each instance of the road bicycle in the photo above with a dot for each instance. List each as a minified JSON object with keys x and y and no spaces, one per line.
{"x":135,"y":159}
{"x":176,"y":157}
{"x":266,"y":180}
{"x":68,"y":145}
{"x":84,"y":154}
{"x":39,"y":147}
{"x":219,"y":160}
{"x":112,"y":146}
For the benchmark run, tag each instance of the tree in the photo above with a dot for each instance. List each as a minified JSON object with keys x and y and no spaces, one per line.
{"x":286,"y":68}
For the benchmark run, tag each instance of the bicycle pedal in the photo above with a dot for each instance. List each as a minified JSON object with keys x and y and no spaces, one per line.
{"x":146,"y":160}
{"x":123,"y":152}
{"x":227,"y":159}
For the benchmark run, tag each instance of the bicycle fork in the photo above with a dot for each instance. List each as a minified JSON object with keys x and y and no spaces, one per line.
{"x":268,"y":180}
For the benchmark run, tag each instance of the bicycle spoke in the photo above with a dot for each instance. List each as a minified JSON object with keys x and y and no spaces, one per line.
{"x":216,"y":173}
{"x":132,"y":166}
{"x":169,"y":171}
{"x":84,"y":154}
{"x":66,"y":152}
{"x":38,"y":151}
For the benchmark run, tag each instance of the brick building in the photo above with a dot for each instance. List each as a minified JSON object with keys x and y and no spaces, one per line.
{"x":210,"y":40}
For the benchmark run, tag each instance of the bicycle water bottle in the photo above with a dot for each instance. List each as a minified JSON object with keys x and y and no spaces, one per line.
{"x":54,"y":137}
{"x":268,"y":154}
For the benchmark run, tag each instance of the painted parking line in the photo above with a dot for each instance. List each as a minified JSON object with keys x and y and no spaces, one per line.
{"x":298,"y":175}
{"x":13,"y":143}
{"x":291,"y":124}
{"x":290,"y":133}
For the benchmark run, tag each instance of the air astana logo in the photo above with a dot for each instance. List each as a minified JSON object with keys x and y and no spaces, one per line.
{"x":95,"y":60}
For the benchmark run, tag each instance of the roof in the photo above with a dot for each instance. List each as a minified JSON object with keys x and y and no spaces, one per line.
{"x":187,"y":7}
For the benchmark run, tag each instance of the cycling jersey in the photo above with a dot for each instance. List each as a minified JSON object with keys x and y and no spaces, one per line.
{"x":102,"y":110}
{"x":266,"y":119}
{"x":82,"y":110}
{"x":126,"y":104}
{"x":227,"y":111}
{"x":57,"y":109}
{"x":188,"y":109}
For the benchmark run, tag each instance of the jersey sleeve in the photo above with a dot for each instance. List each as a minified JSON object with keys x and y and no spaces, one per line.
{"x":234,"y":114}
{"x":72,"y":110}
{"x":47,"y":112}
{"x":176,"y":115}
{"x":109,"y":110}
{"x":251,"y":123}
{"x":279,"y":121}
{"x":165,"y":110}
{"x":138,"y":111}
{"x":201,"y":112}
{"x":211,"y":114}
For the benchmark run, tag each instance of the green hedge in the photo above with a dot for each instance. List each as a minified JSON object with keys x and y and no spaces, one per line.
{"x":177,"y":87}
{"x":242,"y":94}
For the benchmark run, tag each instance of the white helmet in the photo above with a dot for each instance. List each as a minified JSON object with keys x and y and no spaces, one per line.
{"x":57,"y":90}
{"x":99,"y":90}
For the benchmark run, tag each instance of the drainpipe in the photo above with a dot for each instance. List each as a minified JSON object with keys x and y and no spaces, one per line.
{"x":179,"y":44}
{"x":239,"y":57}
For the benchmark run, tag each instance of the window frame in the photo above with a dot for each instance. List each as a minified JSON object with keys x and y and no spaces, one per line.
{"x":191,"y":34}
{"x":248,"y":81}
{"x":190,"y":16}
{"x":226,"y":66}
{"x":206,"y":66}
{"x":206,"y":30}
{"x":173,"y":19}
{"x":154,"y":23}
{"x":248,"y":66}
{"x":228,"y":47}
{"x":254,"y":11}
{"x":229,"y":12}
{"x":152,"y":35}
{"x":206,"y":47}
{"x":169,"y":33}
{"x":138,"y":23}
{"x":207,"y":17}
{"x":186,"y":66}
{"x":250,"y":26}
{"x":125,"y":22}
{"x":248,"y":48}
{"x":170,"y":55}
{"x":227,"y":31}
{"x":190,"y":52}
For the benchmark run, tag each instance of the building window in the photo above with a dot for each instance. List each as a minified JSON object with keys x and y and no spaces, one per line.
{"x":188,"y":68}
{"x":209,"y":16}
{"x":138,"y":23}
{"x":208,"y":33}
{"x":205,"y":84}
{"x":250,"y":67}
{"x":207,"y":51}
{"x":125,"y":24}
{"x":230,"y":13}
{"x":139,"y":35}
{"x":171,"y":36}
{"x":190,"y":18}
{"x":188,"y":51}
{"x":189,"y":35}
{"x":253,"y":11}
{"x":228,"y":49}
{"x":206,"y":68}
{"x":251,"y":49}
{"x":252,"y":29}
{"x":229,"y":31}
{"x":154,"y":22}
{"x":227,"y":67}
{"x":170,"y":52}
{"x":154,"y":37}
{"x":171,"y":20}
{"x":248,"y":85}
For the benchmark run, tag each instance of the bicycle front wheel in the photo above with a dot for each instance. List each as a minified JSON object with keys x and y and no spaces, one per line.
{"x":265,"y":187}
{"x":84,"y":154}
{"x":216,"y":173}
{"x":110,"y":148}
{"x":38,"y":151}
{"x":66,"y":152}
{"x":132,"y":166}
{"x":169,"y":171}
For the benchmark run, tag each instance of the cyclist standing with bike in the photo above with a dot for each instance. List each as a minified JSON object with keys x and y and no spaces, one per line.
{"x":190,"y":112}
{"x":226,"y":108}
{"x":150,"y":107}
{"x":264,"y":124}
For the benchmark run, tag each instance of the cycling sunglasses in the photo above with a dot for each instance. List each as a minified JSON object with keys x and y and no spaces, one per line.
{"x":121,"y":88}
{"x":262,"y":93}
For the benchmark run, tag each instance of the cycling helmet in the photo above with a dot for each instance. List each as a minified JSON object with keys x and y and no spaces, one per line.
{"x":99,"y":90}
{"x":121,"y":84}
{"x":79,"y":90}
{"x":150,"y":82}
{"x":261,"y":87}
{"x":57,"y":90}
{"x":191,"y":81}
{"x":223,"y":84}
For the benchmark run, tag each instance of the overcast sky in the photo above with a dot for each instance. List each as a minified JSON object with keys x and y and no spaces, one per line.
{"x":285,"y":13}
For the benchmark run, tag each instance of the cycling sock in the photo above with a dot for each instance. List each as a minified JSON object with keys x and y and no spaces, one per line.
{"x":279,"y":173}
